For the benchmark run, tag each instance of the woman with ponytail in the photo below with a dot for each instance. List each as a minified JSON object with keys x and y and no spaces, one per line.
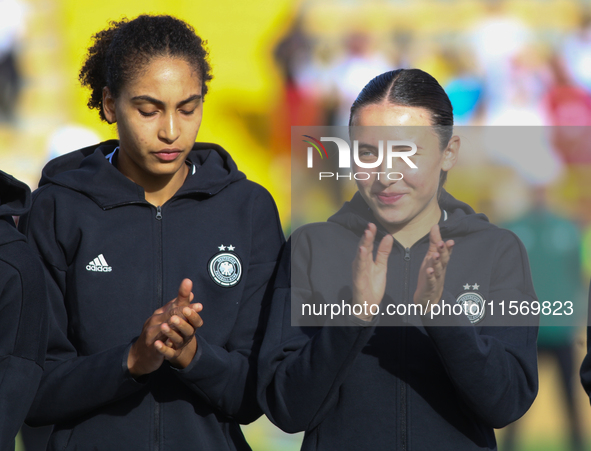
{"x":435,"y":377}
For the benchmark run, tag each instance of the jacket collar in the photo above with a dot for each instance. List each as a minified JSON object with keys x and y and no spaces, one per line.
{"x":89,"y":172}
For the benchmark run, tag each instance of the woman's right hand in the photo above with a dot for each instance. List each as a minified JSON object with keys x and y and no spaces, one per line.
{"x":369,"y":276}
{"x":148,"y":353}
{"x":432,"y":272}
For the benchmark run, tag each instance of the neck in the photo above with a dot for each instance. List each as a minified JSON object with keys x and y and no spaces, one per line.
{"x":412,"y":231}
{"x":158,"y":189}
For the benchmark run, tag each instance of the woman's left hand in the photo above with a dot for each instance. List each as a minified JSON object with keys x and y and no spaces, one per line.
{"x":178,"y":344}
{"x":432,"y":273}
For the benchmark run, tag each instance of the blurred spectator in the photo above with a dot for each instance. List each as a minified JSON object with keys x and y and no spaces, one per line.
{"x":350,"y":74}
{"x":553,"y":246}
{"x":465,"y":89}
{"x":569,"y":108}
{"x":577,"y":53}
{"x":302,"y":93}
{"x":496,"y":42}
{"x":301,"y":100}
{"x":521,"y":104}
{"x":527,"y":150}
{"x":12,"y":29}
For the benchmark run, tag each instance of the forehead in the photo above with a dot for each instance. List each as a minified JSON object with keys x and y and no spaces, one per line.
{"x":387,"y":114}
{"x":165,"y":77}
{"x":387,"y":121}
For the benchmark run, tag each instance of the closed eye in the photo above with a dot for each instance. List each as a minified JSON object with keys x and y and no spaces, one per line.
{"x":147,"y":113}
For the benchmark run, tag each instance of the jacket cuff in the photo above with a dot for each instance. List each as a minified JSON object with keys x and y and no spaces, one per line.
{"x":352,"y":320}
{"x":193,"y":362}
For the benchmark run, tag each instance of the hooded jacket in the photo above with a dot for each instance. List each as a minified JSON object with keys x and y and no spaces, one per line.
{"x":418,"y":386}
{"x":113,"y":259}
{"x":585,"y":371}
{"x":23,"y":317}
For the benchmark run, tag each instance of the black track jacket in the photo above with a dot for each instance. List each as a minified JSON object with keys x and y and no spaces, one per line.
{"x":23,"y":313}
{"x":409,"y":387}
{"x":112,"y":260}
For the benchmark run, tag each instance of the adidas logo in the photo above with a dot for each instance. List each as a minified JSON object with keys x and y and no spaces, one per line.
{"x":99,"y":264}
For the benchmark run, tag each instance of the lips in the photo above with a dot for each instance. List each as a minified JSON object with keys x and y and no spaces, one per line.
{"x":168,"y":154}
{"x":389,"y":198}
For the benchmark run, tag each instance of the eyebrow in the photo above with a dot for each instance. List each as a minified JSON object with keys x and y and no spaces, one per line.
{"x":161,"y":103}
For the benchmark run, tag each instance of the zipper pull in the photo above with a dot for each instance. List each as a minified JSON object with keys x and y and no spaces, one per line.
{"x":158,"y":213}
{"x":407,"y":254}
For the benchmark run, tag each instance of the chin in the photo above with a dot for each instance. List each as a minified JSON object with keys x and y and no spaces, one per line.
{"x":168,"y":167}
{"x":391,"y":220}
{"x":393,"y":223}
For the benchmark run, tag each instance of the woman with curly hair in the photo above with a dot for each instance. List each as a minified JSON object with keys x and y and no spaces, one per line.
{"x":119,"y":226}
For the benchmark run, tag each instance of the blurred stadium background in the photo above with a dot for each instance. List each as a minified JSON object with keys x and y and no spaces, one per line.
{"x":279,"y":63}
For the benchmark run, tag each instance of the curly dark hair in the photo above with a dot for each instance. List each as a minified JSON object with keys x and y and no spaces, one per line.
{"x":122,"y":50}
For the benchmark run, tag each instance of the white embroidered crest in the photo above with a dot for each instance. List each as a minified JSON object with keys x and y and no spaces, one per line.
{"x":225,"y":268}
{"x":472,"y":304}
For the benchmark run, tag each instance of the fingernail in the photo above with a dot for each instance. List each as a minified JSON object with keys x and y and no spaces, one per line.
{"x":174,"y":320}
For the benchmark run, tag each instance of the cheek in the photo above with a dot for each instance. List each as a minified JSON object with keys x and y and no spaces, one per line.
{"x":362,"y":183}
{"x":127,"y":126}
{"x":425,"y":177}
{"x":141,"y":132}
{"x":196,"y":127}
{"x":195,"y":123}
{"x":142,"y":136}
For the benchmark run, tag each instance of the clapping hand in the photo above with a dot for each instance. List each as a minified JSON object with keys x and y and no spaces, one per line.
{"x":432,"y":273}
{"x":169,"y":334}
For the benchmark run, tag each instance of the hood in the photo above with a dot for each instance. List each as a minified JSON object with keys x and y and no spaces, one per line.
{"x":89,"y":172}
{"x":15,"y":200}
{"x":461,"y":218}
{"x":15,"y":196}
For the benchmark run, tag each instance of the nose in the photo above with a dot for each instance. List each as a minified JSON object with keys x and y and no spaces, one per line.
{"x":169,"y":128}
{"x":389,"y":176}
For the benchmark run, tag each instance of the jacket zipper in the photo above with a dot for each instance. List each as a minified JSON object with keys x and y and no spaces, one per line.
{"x":160,"y":302}
{"x":403,"y":401}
